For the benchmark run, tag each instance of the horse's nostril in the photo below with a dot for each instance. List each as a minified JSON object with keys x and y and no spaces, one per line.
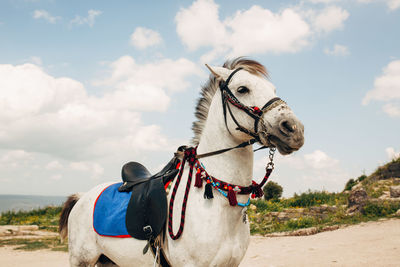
{"x":287,"y":127}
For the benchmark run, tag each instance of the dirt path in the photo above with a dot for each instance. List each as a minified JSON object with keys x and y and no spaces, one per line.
{"x":367,"y":244}
{"x":17,"y":258}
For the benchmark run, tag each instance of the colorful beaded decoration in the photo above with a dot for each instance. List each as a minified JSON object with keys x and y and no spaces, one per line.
{"x":200,"y":169}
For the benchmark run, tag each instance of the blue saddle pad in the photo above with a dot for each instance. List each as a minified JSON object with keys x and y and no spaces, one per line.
{"x":110,"y":212}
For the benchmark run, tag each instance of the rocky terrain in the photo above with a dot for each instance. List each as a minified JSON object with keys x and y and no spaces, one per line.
{"x":365,"y":198}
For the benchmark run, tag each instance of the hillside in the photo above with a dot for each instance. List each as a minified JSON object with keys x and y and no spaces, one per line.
{"x":389,"y":170}
{"x":381,"y":184}
{"x":365,"y":198}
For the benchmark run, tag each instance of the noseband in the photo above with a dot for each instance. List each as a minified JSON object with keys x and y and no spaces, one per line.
{"x":255,"y":112}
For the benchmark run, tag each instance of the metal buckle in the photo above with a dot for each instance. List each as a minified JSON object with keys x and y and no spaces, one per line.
{"x":148,"y":230}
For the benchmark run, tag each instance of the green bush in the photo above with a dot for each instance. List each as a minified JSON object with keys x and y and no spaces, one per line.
{"x":302,"y":222}
{"x":361,"y":178}
{"x":312,"y":198}
{"x":272,"y":190}
{"x":380,"y":209}
{"x":268,"y":205}
{"x":350,"y":183}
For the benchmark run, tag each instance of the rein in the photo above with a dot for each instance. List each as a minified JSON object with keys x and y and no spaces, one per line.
{"x":190,"y":156}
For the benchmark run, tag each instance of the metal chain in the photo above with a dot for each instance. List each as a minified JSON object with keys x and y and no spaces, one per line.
{"x":270,"y":164}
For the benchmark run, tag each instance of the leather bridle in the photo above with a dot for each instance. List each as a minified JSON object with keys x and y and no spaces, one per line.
{"x":254,"y":112}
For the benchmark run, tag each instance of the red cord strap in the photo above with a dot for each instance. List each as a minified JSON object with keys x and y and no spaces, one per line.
{"x":190,"y":154}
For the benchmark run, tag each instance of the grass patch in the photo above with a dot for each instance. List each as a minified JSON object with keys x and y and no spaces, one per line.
{"x":263,"y":224}
{"x":273,"y":226}
{"x":268,"y":205}
{"x":377,"y":188}
{"x":304,"y":200}
{"x":53,"y":243}
{"x":299,"y":212}
{"x":302,"y":222}
{"x":45,"y":217}
{"x":315,"y":198}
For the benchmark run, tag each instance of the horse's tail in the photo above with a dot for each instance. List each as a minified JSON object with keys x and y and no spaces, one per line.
{"x":63,"y":223}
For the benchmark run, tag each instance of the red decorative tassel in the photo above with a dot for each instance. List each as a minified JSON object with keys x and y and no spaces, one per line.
{"x":232,"y":197}
{"x":198,"y":182}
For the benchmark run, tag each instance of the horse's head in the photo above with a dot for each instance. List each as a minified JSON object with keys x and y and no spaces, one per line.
{"x":251,"y":108}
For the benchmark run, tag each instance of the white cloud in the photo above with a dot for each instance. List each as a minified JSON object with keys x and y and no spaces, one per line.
{"x":298,"y":173}
{"x":89,"y":20}
{"x":320,"y":160}
{"x":26,"y":89}
{"x":56,"y":177}
{"x":392,"y":109}
{"x":142,"y":38}
{"x":329,"y":19}
{"x":391,"y":153}
{"x":387,"y":89}
{"x":147,"y":87}
{"x":253,"y":31}
{"x":199,"y":25}
{"x":337,"y":50}
{"x":63,"y":120}
{"x":12,"y":158}
{"x":315,"y":160}
{"x":258,"y":30}
{"x":43,"y":14}
{"x":53,"y":165}
{"x":36,"y":60}
{"x":95,"y":169}
{"x":386,"y":86}
{"x":391,"y":4}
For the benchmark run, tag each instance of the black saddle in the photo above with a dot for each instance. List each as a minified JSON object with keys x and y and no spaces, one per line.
{"x":147,"y":209}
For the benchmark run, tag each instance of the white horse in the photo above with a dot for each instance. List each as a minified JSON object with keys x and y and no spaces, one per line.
{"x":215,"y":232}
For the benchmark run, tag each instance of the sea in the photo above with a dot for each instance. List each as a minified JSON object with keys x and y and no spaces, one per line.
{"x":27,"y":202}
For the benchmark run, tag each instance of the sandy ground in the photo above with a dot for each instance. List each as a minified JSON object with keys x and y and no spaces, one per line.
{"x":367,"y":244}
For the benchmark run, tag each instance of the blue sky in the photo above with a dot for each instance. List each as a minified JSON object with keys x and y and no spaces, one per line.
{"x":86,"y":86}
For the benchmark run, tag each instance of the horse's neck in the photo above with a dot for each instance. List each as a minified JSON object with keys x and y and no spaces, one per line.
{"x":213,"y":222}
{"x":235,"y":166}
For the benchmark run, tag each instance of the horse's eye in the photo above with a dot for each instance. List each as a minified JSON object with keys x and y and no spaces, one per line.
{"x":243,"y":90}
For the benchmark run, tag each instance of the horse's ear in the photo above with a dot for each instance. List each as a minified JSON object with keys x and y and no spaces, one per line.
{"x":219,"y":72}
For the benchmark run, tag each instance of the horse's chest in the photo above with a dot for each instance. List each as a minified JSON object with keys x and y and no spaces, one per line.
{"x":216,"y":252}
{"x":219,"y":240}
